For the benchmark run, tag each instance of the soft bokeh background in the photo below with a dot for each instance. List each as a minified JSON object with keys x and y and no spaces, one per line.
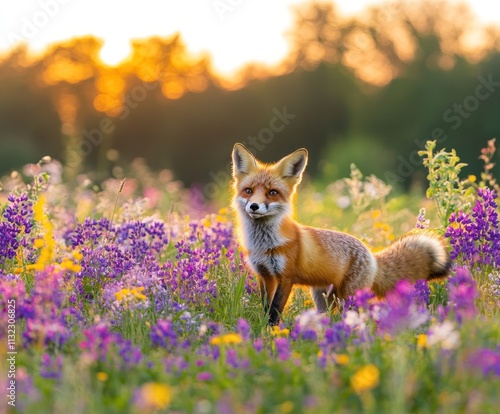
{"x":97,"y":85}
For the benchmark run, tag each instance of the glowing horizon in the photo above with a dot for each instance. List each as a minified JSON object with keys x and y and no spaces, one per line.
{"x":233,"y":32}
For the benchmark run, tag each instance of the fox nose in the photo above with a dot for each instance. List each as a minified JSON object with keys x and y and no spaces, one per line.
{"x":254,"y":206}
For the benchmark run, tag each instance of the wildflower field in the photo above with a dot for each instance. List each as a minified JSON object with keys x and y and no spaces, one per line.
{"x":125,"y":298}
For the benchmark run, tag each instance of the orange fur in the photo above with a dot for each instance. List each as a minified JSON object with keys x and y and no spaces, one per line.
{"x":283,"y":252}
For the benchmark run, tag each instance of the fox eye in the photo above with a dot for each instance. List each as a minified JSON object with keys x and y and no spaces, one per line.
{"x":273,"y":193}
{"x":248,"y":191}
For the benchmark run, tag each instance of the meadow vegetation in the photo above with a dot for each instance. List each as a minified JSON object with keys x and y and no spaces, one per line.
{"x":130,"y":299}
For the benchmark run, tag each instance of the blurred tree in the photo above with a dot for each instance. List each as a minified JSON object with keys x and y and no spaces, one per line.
{"x":27,"y":117}
{"x":377,"y":84}
{"x":318,"y":35}
{"x":68,"y":71}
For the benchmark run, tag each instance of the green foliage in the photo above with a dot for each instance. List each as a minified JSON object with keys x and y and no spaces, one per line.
{"x":487,"y":177}
{"x":449,"y":191}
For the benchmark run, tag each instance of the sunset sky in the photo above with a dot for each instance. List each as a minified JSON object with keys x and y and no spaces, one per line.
{"x":234,"y":32}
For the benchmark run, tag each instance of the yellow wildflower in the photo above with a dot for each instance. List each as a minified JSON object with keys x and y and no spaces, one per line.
{"x":227,"y":339}
{"x":155,"y":395}
{"x":472,"y":178}
{"x":422,"y":341}
{"x":365,"y":378}
{"x":130,"y":294}
{"x":69,"y":265}
{"x":48,"y":244}
{"x":342,"y":359}
{"x":287,"y":407}
{"x":102,"y":376}
{"x":38,"y":243}
{"x":280,"y":332}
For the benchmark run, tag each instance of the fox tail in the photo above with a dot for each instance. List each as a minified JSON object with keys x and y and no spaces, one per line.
{"x":416,"y":255}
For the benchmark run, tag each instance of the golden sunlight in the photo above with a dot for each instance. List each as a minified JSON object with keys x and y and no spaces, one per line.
{"x":115,"y":51}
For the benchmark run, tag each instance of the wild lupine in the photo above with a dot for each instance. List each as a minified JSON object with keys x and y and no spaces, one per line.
{"x":101,"y":344}
{"x":164,"y":335}
{"x":243,"y":329}
{"x":48,"y":317}
{"x":15,"y":226}
{"x":422,"y":223}
{"x":476,"y":237}
{"x":282,"y":348}
{"x":401,"y":310}
{"x":142,"y":238}
{"x":102,"y":257}
{"x":363,"y":298}
{"x":462,"y":294}
{"x":13,"y":287}
{"x":336,"y":336}
{"x":422,"y":293}
{"x":335,"y":339}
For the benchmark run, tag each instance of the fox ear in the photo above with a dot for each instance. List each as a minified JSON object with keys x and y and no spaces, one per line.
{"x":244,"y":161}
{"x":293,"y":165}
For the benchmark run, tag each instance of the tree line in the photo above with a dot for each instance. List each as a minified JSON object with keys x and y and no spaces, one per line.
{"x":369,"y":90}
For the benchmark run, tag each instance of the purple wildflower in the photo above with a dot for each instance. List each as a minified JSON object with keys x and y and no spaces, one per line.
{"x":309,"y":325}
{"x":232,"y":358}
{"x":363,"y":298}
{"x":487,"y":360}
{"x":16,"y":224}
{"x":422,"y":223}
{"x":164,"y":335}
{"x":51,"y":367}
{"x":462,"y":294}
{"x":282,"y":348}
{"x":336,"y":336}
{"x":204,"y":376}
{"x":243,"y":329}
{"x":101,"y":344}
{"x":401,"y":311}
{"x":422,"y":293}
{"x":258,"y":344}
{"x":476,"y":237}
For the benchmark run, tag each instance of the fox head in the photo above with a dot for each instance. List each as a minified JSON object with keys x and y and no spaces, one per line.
{"x":265,"y":190}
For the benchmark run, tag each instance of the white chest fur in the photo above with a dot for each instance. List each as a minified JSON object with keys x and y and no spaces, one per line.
{"x":260,"y":237}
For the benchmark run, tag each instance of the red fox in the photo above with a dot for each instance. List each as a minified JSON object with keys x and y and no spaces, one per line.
{"x":283,"y":252}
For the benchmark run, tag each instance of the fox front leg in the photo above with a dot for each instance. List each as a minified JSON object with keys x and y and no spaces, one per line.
{"x":264,"y":296}
{"x":275,"y":294}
